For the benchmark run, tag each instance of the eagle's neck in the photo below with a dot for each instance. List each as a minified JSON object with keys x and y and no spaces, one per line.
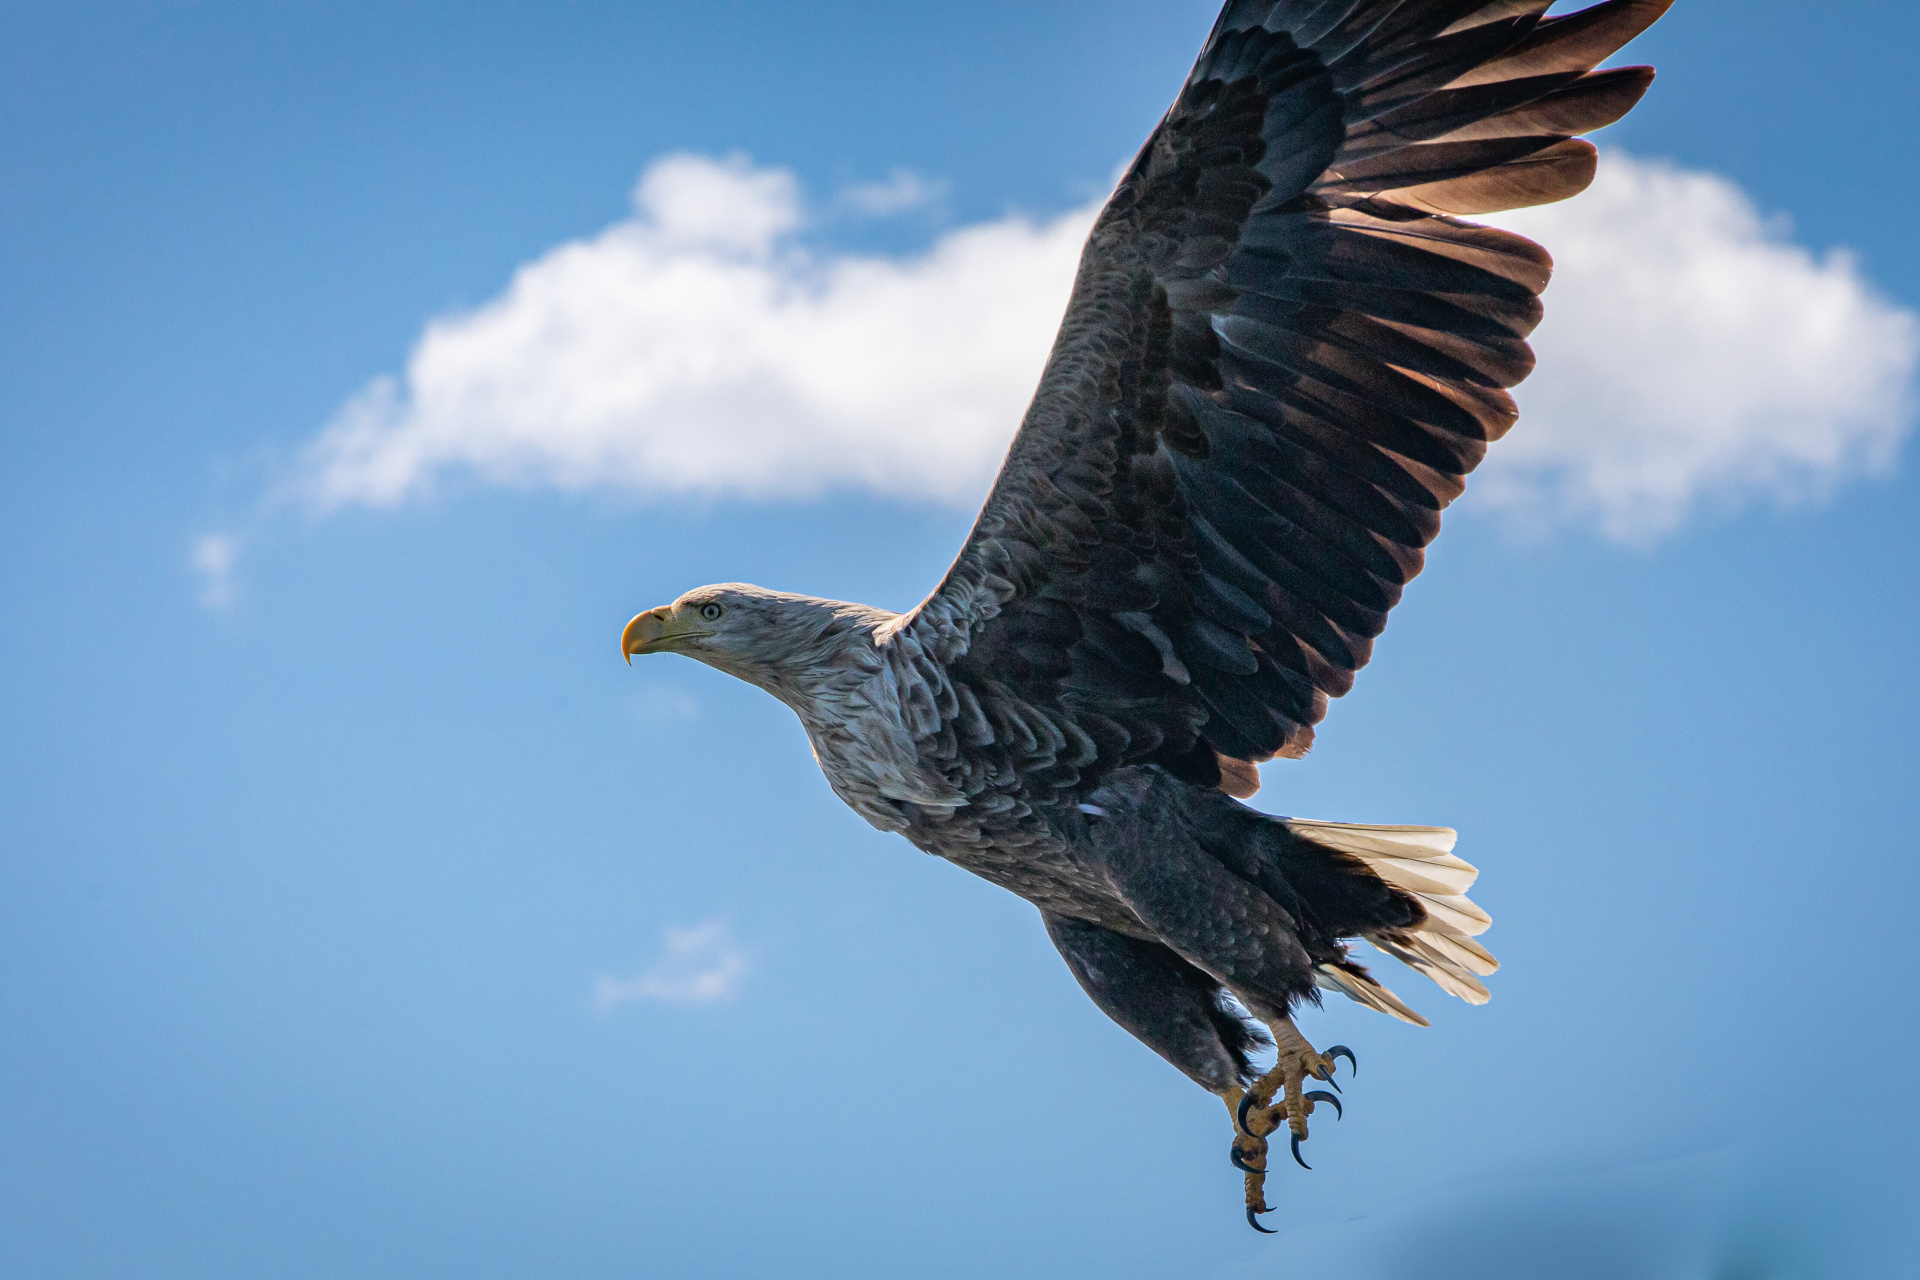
{"x":822,"y":651}
{"x":847,"y":678}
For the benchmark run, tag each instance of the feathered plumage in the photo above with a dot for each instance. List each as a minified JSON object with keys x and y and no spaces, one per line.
{"x":1284,"y":353}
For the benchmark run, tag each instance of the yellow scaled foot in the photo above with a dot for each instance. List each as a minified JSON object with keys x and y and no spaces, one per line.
{"x":1256,"y":1113}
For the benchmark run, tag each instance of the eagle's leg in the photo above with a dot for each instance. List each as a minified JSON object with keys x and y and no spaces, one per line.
{"x":1257,"y":1115}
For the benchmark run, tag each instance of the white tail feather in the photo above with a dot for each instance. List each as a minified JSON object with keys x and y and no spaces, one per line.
{"x":1454,"y":914}
{"x":1462,"y":953}
{"x":1422,"y":877}
{"x":1416,"y":950}
{"x":1361,"y":840}
{"x":1418,"y":861}
{"x":1367,"y":992}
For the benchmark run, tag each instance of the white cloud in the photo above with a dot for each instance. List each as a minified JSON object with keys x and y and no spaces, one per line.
{"x":1691,"y":353}
{"x":694,"y":348}
{"x":213,"y":560}
{"x":702,"y":965}
{"x":902,"y":190}
{"x":694,"y":203}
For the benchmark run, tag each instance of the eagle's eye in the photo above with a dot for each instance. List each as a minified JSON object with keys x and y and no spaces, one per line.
{"x":711,"y":612}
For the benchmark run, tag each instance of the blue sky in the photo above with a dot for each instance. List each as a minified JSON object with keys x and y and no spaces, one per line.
{"x":362,"y":915}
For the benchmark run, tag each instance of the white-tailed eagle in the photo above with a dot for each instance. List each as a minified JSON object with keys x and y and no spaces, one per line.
{"x":1283,"y":354}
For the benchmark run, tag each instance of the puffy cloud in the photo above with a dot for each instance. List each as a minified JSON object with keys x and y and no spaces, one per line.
{"x":1692,"y":353}
{"x":901,"y":191}
{"x":213,"y":560}
{"x":701,"y":965}
{"x":693,"y":203}
{"x":694,"y":348}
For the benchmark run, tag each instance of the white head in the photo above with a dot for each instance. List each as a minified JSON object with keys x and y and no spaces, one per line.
{"x":784,"y":643}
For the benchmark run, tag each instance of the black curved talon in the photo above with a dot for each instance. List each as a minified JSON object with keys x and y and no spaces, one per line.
{"x":1341,"y":1051}
{"x":1240,"y":1115}
{"x":1296,"y":1153}
{"x":1255,"y":1222}
{"x":1321,"y":1095}
{"x":1233,"y":1154}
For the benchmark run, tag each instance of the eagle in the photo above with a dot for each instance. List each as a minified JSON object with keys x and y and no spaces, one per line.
{"x":1284,"y":351}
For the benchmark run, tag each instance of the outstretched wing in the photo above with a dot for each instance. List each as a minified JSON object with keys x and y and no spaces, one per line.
{"x":1283,"y":355}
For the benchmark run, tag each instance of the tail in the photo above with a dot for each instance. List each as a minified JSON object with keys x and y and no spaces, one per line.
{"x":1419,"y":862}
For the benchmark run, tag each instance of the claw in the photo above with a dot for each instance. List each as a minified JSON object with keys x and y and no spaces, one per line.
{"x":1296,"y":1153}
{"x":1233,"y":1154}
{"x":1341,"y":1051}
{"x":1240,"y":1114}
{"x":1255,"y":1222}
{"x":1321,"y":1095}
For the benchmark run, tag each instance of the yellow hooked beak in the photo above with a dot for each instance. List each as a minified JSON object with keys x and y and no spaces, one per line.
{"x":656,"y":631}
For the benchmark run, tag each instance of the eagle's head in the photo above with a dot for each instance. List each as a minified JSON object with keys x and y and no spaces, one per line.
{"x":775,"y":639}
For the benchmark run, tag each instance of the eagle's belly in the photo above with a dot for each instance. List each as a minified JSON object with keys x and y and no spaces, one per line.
{"x":995,"y":831}
{"x":1042,"y":857}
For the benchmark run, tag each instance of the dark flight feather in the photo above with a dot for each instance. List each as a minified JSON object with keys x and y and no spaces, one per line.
{"x":1283,"y":353}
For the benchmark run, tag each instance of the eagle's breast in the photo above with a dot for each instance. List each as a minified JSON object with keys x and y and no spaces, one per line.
{"x":862,"y":726}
